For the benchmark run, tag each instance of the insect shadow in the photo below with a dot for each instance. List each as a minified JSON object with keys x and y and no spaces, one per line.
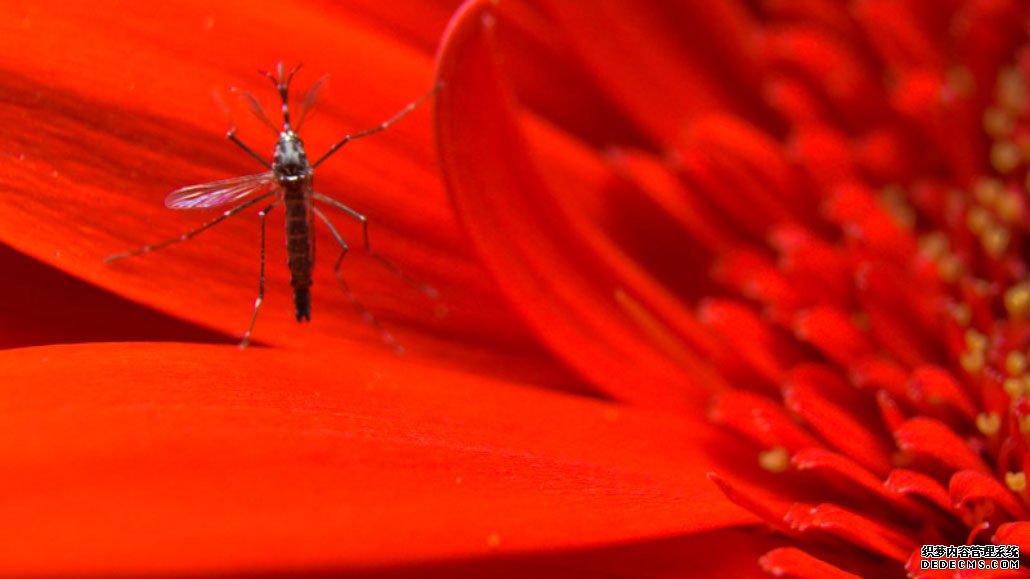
{"x":289,"y":182}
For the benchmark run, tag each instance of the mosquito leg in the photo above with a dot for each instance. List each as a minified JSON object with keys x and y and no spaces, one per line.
{"x":382,"y":127}
{"x":231,"y":135}
{"x":227,"y":214}
{"x":420,"y":286}
{"x":261,"y":278}
{"x":362,"y":310}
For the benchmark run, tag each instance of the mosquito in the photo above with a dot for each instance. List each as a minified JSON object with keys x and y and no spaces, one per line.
{"x":288,"y":182}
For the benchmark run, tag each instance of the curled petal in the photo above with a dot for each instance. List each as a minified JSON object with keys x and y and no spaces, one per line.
{"x":546,"y":255}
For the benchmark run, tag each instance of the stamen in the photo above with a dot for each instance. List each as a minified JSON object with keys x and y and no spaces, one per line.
{"x":961,"y":313}
{"x":1014,"y":387}
{"x":988,"y":424}
{"x":1017,"y":302}
{"x":1012,"y":90}
{"x":978,"y":220}
{"x":1015,"y":363}
{"x":998,"y":123}
{"x":995,"y":240}
{"x":933,"y":245}
{"x":1007,"y":207}
{"x":1005,"y":156}
{"x":972,"y":362}
{"x":1016,"y":481}
{"x":975,"y":341}
{"x":950,"y":268}
{"x":987,"y":190}
{"x":775,"y":460}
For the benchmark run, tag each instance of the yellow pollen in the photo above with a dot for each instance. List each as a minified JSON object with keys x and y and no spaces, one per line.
{"x":975,"y":341}
{"x":1007,"y":208}
{"x":775,"y":460}
{"x":1011,"y":91}
{"x":978,"y":219}
{"x":995,"y":240}
{"x":1014,"y":387}
{"x":1017,"y":300}
{"x":933,"y":245}
{"x":987,"y":190}
{"x":998,"y":123}
{"x":972,"y":361}
{"x":1015,"y":363}
{"x":1005,"y":156}
{"x":950,"y":268}
{"x":988,"y":424}
{"x":1016,"y":481}
{"x":962,"y":314}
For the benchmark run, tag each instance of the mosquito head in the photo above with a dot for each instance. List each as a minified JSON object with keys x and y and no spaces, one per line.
{"x":282,"y":82}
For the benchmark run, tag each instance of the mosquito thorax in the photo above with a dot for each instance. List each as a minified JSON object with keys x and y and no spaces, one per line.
{"x":290,"y":163}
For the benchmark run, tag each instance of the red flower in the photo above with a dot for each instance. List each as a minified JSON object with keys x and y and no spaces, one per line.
{"x":817,"y":211}
{"x":318,"y":449}
{"x":792,"y":207}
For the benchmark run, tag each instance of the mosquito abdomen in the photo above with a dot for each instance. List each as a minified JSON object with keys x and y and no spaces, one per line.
{"x":299,"y":252}
{"x":302,"y":303}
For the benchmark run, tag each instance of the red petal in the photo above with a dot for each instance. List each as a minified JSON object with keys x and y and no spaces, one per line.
{"x":761,"y":420}
{"x":816,"y":269}
{"x":834,"y":70}
{"x":203,"y":459}
{"x":795,"y":563}
{"x":970,"y":487}
{"x":852,"y":527}
{"x":874,"y":374}
{"x":1017,"y":533}
{"x":744,"y":173}
{"x":753,"y":275}
{"x":831,"y":331}
{"x":632,"y":47}
{"x":840,"y":428}
{"x":47,"y":306}
{"x":869,"y":225}
{"x":104,"y":134}
{"x":761,"y":347}
{"x":825,"y":154}
{"x":534,"y":245}
{"x":932,"y":438}
{"x":766,"y":508}
{"x":900,"y":34}
{"x":933,"y":386}
{"x":840,"y":469}
{"x":908,"y":482}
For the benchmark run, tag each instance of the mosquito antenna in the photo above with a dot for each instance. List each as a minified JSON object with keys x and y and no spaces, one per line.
{"x":256,"y":108}
{"x":309,"y":99}
{"x":282,"y":84}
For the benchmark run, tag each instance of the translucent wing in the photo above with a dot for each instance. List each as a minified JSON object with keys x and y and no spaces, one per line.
{"x":218,"y":193}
